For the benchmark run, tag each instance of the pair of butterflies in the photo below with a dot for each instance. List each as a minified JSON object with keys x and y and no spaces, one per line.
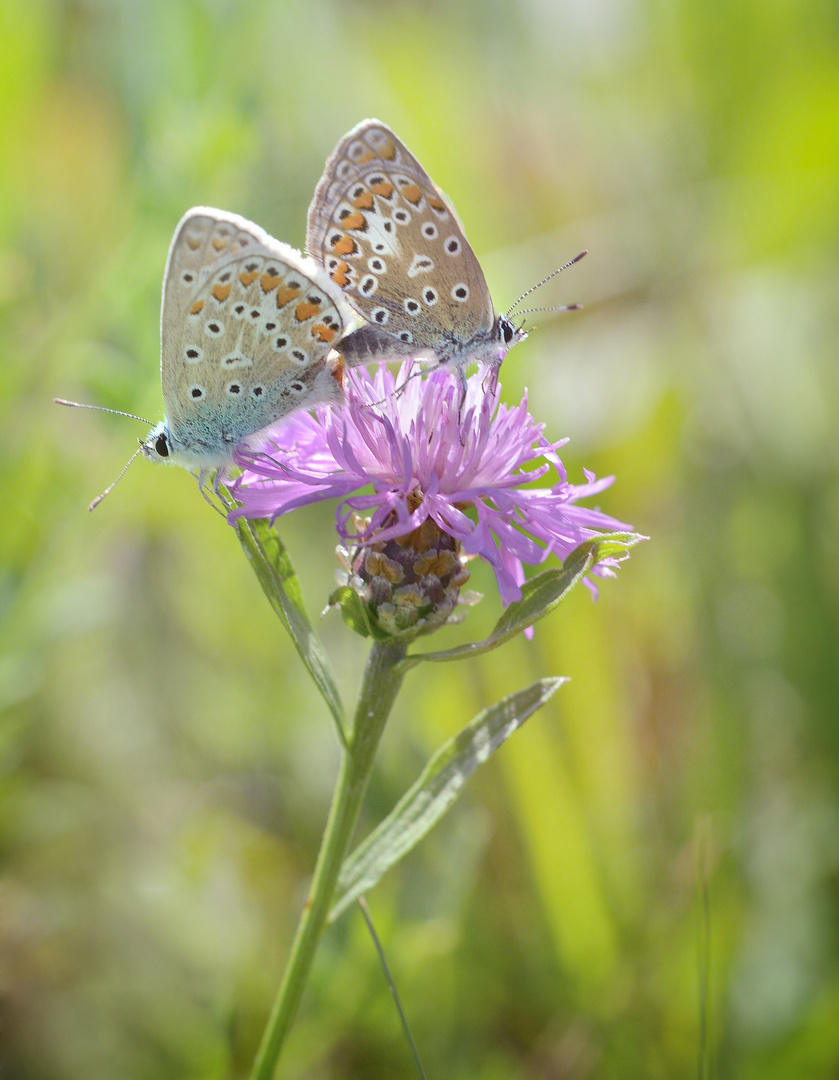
{"x":252,"y":330}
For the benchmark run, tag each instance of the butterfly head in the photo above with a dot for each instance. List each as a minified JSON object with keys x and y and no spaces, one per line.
{"x":157,"y":445}
{"x":161,"y":445}
{"x":508,"y":335}
{"x":498,"y":342}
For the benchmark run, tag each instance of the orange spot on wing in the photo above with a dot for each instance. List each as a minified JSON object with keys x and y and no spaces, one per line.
{"x":438,"y":204}
{"x":384,"y":189}
{"x":305,"y":310}
{"x":219,"y":243}
{"x":269,"y":282}
{"x":338,"y":372}
{"x":340,"y":274}
{"x":388,"y":151}
{"x":412,"y":193}
{"x":285,"y":295}
{"x":364,"y":201}
{"x":193,"y":242}
{"x":221,"y":292}
{"x":248,"y":277}
{"x":196,"y":307}
{"x":345,"y":246}
{"x":321,"y":332}
{"x":369,"y":156}
{"x":354,"y":221}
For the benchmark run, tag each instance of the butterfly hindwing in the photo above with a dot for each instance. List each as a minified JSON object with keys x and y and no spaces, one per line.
{"x":387,"y":238}
{"x":246,"y":326}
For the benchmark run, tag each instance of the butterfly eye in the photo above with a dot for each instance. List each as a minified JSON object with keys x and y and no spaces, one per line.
{"x":161,"y":446}
{"x":505,"y":328}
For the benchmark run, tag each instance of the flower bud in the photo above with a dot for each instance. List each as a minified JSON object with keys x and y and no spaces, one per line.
{"x":410,"y":584}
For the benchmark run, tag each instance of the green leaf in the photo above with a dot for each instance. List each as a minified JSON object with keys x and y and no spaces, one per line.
{"x":352,"y":609}
{"x":539,"y":596}
{"x":441,"y":781}
{"x":272,"y":566}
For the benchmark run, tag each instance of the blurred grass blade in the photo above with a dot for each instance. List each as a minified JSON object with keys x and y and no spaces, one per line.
{"x":397,"y":1001}
{"x":439,"y":784}
{"x":540,"y":595}
{"x":272,"y":566}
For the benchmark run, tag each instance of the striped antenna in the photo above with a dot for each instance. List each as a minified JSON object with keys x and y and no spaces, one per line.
{"x":544,"y":281}
{"x":102,"y":408}
{"x":111,"y":487}
{"x":116,"y":412}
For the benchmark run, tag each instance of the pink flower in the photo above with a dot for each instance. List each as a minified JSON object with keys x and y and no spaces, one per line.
{"x":428,"y":455}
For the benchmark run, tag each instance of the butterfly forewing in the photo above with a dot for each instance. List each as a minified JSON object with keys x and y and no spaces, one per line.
{"x":386,"y":236}
{"x":247,"y":324}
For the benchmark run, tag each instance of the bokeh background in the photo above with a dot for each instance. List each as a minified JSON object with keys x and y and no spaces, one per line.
{"x":643,"y":883}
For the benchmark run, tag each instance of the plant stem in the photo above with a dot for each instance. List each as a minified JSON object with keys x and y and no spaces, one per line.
{"x":380,"y":685}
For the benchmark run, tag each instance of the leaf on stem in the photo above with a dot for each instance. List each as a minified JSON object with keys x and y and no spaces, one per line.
{"x":272,"y":566}
{"x":439,"y":784}
{"x":539,"y":596}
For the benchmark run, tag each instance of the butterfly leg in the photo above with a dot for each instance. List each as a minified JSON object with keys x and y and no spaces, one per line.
{"x":490,"y":383}
{"x":463,"y":386}
{"x":203,"y":477}
{"x":416,"y":374}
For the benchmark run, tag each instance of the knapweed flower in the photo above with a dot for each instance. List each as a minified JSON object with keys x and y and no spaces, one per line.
{"x":452,"y":476}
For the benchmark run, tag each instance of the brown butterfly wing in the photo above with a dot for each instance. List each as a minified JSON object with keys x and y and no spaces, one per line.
{"x":387,"y":238}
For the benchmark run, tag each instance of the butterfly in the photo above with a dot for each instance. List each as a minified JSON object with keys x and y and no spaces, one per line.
{"x":247,"y":326}
{"x":388,"y":239}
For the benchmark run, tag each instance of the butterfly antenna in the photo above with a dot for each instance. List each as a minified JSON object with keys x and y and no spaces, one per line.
{"x":565,"y":307}
{"x":111,"y":487}
{"x":544,"y":281}
{"x":102,"y":408}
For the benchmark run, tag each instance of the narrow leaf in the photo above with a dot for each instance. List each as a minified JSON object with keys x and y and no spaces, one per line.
{"x":272,"y":566}
{"x":539,"y":596}
{"x":439,"y":784}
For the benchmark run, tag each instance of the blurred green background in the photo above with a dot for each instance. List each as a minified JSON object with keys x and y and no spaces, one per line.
{"x":644,"y":882}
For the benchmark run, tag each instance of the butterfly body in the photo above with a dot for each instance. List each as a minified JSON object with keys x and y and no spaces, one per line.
{"x":247,"y":329}
{"x":388,"y":239}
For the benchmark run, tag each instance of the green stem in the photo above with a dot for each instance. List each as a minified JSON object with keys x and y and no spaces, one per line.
{"x":381,"y":683}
